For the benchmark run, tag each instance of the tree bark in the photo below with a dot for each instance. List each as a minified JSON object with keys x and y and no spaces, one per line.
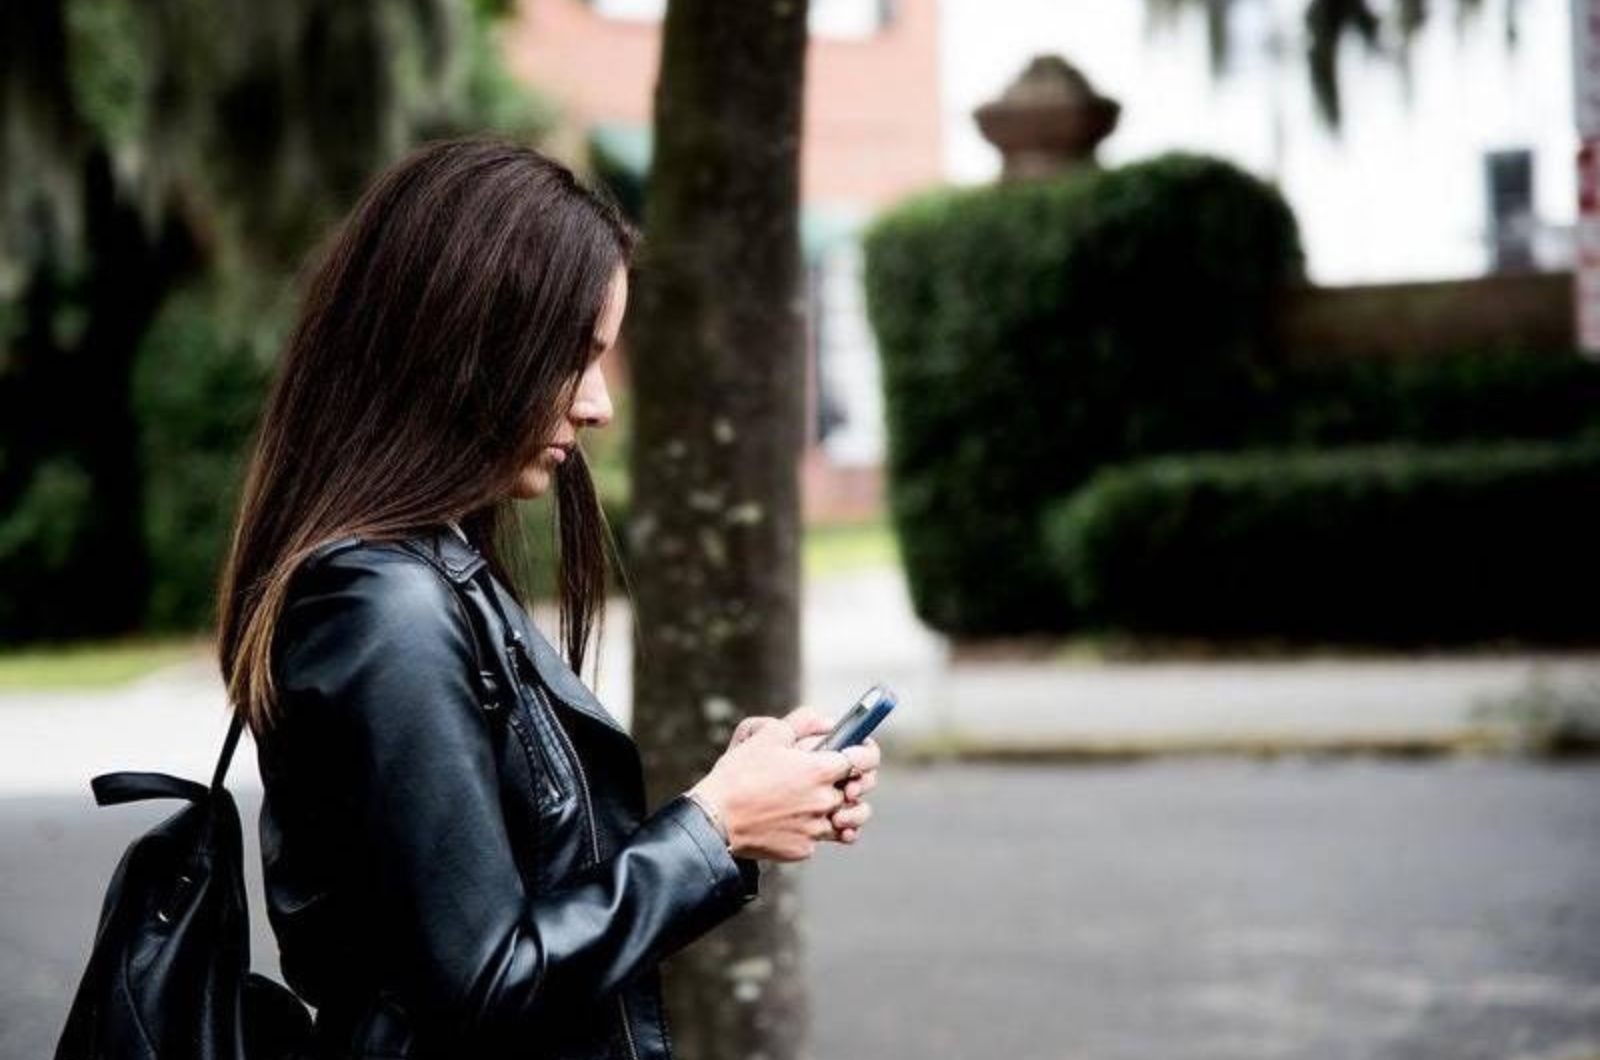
{"x":716,"y":358}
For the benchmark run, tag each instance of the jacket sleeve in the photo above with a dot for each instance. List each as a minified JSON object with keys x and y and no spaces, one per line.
{"x":374,"y":656}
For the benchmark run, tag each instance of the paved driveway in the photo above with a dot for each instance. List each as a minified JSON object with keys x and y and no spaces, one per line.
{"x":1196,"y":909}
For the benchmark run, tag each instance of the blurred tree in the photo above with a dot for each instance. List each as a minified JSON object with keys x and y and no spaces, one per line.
{"x":1385,"y":27}
{"x":715,"y":349}
{"x":150,"y":145}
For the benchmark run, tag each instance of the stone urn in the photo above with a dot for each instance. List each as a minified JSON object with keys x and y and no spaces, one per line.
{"x":1048,"y":121}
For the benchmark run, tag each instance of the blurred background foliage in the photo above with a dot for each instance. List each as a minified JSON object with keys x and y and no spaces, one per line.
{"x":1033,"y":335}
{"x":166,"y":164}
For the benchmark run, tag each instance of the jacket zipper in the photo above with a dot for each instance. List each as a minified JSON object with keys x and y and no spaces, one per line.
{"x":530,"y":742}
{"x":530,"y":747}
{"x":594,"y":845}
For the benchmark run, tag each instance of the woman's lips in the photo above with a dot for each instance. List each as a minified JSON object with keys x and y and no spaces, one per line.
{"x":560,"y":452}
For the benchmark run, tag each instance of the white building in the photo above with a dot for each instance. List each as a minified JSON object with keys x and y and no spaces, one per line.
{"x":1400,"y":193}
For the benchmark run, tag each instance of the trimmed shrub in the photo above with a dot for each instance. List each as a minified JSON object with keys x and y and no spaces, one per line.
{"x":1444,"y":400}
{"x":1033,"y":332}
{"x":1370,"y":545}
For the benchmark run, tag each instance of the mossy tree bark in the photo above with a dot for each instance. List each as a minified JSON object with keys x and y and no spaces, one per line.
{"x":715,"y":344}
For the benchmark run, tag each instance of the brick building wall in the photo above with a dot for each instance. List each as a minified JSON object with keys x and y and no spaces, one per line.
{"x":871,"y":137}
{"x":871,"y":107}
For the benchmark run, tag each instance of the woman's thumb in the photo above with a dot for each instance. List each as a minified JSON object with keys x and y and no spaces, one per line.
{"x":747,"y":728}
{"x":773,"y":731}
{"x":808,"y":721}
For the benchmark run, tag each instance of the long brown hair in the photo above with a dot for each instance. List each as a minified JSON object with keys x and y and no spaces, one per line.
{"x":444,"y":329}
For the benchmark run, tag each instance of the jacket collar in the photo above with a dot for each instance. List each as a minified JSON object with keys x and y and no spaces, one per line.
{"x":460,"y":561}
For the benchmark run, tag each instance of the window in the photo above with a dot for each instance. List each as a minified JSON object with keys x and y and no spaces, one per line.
{"x":849,"y":19}
{"x":838,"y":19}
{"x":635,"y":10}
{"x":849,"y":404}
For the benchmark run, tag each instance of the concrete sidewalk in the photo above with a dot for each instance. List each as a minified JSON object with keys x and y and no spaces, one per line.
{"x":858,"y":630}
{"x":861,"y":629}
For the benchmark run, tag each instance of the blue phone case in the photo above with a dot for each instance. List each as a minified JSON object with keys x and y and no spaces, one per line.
{"x":858,"y":723}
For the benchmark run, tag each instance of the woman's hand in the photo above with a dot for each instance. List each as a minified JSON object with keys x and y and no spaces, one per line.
{"x":811,"y":726}
{"x":778,"y":796}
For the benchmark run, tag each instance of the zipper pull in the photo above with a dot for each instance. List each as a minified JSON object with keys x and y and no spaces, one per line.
{"x":521,"y":660}
{"x":491,"y":691}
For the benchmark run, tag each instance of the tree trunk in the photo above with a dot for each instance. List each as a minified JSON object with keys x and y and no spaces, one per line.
{"x":716,"y":358}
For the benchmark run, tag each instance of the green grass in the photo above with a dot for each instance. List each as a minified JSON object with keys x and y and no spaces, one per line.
{"x":834,"y":548}
{"x":91,"y":664}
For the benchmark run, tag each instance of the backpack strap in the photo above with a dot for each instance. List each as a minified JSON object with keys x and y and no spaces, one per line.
{"x":113,"y":788}
{"x":224,"y":760}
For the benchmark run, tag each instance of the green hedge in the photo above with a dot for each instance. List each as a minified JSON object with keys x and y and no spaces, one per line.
{"x":1032,"y":332}
{"x":1372,"y":545}
{"x":1463,"y":398}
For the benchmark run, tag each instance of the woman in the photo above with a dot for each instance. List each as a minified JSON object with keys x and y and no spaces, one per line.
{"x":457,"y":856}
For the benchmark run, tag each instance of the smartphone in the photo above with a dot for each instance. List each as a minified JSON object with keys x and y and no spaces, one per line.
{"x":859,"y":721}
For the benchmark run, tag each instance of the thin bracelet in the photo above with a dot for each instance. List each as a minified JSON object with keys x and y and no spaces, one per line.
{"x":711,"y":812}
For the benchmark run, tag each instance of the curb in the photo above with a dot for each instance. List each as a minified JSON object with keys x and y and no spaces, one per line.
{"x":951,"y":747}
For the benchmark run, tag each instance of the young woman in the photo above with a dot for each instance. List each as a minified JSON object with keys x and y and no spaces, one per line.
{"x":457,"y":853}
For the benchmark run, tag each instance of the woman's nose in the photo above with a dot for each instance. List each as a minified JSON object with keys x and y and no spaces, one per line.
{"x":592,"y":407}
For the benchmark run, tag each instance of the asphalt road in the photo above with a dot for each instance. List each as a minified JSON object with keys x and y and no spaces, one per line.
{"x":1211,"y":908}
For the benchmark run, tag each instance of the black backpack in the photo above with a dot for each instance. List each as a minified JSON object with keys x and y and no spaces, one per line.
{"x":169,"y":974}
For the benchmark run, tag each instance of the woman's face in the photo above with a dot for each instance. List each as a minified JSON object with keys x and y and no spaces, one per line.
{"x":591,"y":404}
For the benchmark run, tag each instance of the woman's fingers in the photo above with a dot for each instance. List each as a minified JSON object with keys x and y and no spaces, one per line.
{"x":860,"y":786}
{"x":866,"y":755}
{"x":852,"y":816}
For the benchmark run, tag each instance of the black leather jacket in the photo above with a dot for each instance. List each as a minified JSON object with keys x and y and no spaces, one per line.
{"x":453,"y":879}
